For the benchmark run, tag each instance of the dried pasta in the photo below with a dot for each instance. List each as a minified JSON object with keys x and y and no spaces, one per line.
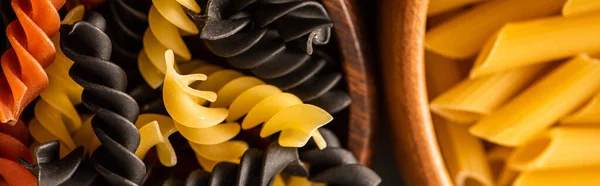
{"x":155,"y":130}
{"x":12,"y":149}
{"x":468,"y":166}
{"x":503,"y":174}
{"x":545,"y":102}
{"x":243,"y":95}
{"x":55,"y":114}
{"x":579,"y":177}
{"x":439,"y":6}
{"x":588,"y":114}
{"x":562,"y":147}
{"x":578,"y":7}
{"x":31,"y":52}
{"x":538,"y":41}
{"x":463,"y":36}
{"x":471,"y":99}
{"x":167,"y":23}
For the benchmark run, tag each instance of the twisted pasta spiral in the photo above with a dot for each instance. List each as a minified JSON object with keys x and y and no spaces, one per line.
{"x":12,"y":147}
{"x":167,"y":23}
{"x":31,"y":52}
{"x":115,"y":111}
{"x":55,"y":114}
{"x":333,"y":166}
{"x":6,"y":16}
{"x":243,"y":95}
{"x":272,"y":39}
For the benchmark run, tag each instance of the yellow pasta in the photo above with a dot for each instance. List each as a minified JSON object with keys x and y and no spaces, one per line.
{"x":562,"y":177}
{"x":577,"y":7}
{"x":167,"y":22}
{"x":502,"y":173}
{"x":473,"y":98}
{"x":538,"y":41}
{"x":588,"y":114}
{"x":541,"y":105}
{"x":439,"y":6}
{"x":562,"y":147}
{"x":155,"y":130}
{"x":463,"y":36}
{"x":463,"y":153}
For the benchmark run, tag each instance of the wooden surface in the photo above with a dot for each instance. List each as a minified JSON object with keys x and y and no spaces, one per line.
{"x":401,"y":31}
{"x":357,"y":63}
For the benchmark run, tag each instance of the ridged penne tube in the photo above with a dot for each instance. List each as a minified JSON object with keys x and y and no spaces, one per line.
{"x":463,"y":36}
{"x":471,"y":99}
{"x":439,"y":6}
{"x":542,"y":104}
{"x":578,"y":7}
{"x":463,"y":153}
{"x":562,"y":177}
{"x":538,"y":41}
{"x":155,"y":130}
{"x":561,"y":147}
{"x":503,"y":174}
{"x":588,"y":114}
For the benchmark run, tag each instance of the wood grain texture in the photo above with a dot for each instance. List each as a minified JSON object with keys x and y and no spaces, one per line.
{"x":401,"y":32}
{"x":357,"y":63}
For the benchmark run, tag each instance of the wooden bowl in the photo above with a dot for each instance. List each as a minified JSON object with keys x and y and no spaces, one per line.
{"x":360,"y":79}
{"x":401,"y":31}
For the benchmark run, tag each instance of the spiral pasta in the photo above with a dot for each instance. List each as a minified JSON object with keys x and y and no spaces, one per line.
{"x":6,"y":16}
{"x":115,"y":111}
{"x":12,"y":147}
{"x":332,"y":165}
{"x":155,"y":130}
{"x":273,"y":39}
{"x":55,"y":114}
{"x":167,"y":23}
{"x":31,"y":52}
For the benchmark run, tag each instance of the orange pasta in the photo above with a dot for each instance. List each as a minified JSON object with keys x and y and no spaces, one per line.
{"x":13,"y":147}
{"x":23,"y":76}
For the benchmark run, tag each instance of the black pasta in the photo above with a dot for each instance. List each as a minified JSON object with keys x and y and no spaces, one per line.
{"x":115,"y":112}
{"x":127,"y":23}
{"x":274,"y":39}
{"x":333,"y":165}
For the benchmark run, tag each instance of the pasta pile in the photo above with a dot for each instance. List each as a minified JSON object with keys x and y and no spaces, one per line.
{"x":524,"y":112}
{"x":118,"y":94}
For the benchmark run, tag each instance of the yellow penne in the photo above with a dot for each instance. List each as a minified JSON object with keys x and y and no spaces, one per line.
{"x":471,"y":99}
{"x":561,"y":147}
{"x":439,"y":6}
{"x":578,"y":177}
{"x":502,"y":174}
{"x":588,"y":114}
{"x":541,"y":105}
{"x":538,"y":41}
{"x":463,"y":153}
{"x":463,"y":36}
{"x":577,"y":7}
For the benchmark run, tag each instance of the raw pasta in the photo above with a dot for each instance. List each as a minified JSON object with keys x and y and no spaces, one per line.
{"x":578,"y":7}
{"x":554,"y":96}
{"x":31,"y":53}
{"x":155,"y":130}
{"x":538,"y":41}
{"x":579,"y":177}
{"x":503,"y":174}
{"x":463,"y":36}
{"x":12,"y":149}
{"x":439,"y":6}
{"x":588,"y":114}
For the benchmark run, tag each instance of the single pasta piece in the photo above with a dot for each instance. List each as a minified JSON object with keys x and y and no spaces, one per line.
{"x":155,"y":130}
{"x":588,"y":114}
{"x":578,"y":7}
{"x":561,"y":177}
{"x":538,"y":41}
{"x":502,"y":173}
{"x":463,"y":36}
{"x":463,"y":153}
{"x":439,"y":6}
{"x":562,"y":147}
{"x":542,"y":104}
{"x":471,"y":99}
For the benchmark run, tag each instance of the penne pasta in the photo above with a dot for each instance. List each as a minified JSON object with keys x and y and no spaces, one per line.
{"x":578,"y":177}
{"x":463,"y":36}
{"x":562,"y":147}
{"x":503,"y":175}
{"x":471,"y":99}
{"x":440,"y":6}
{"x":542,"y":104}
{"x":538,"y":41}
{"x":463,"y":153}
{"x":578,"y":7}
{"x":588,"y":114}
